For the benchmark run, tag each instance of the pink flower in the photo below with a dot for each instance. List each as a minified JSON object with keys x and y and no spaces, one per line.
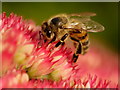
{"x":101,"y":62}
{"x":17,"y":44}
{"x":14,"y":79}
{"x":29,"y":62}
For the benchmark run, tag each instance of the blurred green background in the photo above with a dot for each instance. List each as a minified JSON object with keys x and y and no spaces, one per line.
{"x":107,"y":15}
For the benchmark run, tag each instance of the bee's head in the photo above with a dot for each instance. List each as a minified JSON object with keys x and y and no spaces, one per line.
{"x":46,"y":30}
{"x":59,"y":21}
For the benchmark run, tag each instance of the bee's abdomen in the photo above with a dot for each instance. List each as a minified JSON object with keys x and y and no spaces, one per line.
{"x":85,"y":46}
{"x":84,"y":39}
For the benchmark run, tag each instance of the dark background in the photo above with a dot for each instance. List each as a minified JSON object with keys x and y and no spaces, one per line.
{"x":107,"y":15}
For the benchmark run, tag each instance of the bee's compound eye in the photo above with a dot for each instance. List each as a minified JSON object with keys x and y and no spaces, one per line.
{"x":48,"y":33}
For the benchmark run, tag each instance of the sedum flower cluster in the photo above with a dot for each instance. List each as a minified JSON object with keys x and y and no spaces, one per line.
{"x":27,"y":61}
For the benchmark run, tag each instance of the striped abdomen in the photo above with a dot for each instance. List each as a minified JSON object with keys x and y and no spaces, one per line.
{"x":83,"y":39}
{"x":85,"y":42}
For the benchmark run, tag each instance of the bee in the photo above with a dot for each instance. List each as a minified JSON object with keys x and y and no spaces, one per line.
{"x":74,"y":26}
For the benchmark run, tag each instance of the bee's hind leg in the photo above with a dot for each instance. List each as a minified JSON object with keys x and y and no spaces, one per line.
{"x":76,"y":54}
{"x":78,"y":51}
{"x":62,"y":40}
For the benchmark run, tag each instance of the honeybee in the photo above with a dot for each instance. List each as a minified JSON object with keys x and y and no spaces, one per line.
{"x":73,"y":26}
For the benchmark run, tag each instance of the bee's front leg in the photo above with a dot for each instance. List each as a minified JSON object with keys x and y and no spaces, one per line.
{"x":62,"y":40}
{"x":53,"y":39}
{"x":78,"y":51}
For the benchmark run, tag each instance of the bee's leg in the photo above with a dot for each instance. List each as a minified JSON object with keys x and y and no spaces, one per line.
{"x":76,"y":54}
{"x":62,"y":40}
{"x":53,"y":39}
{"x":78,"y":51}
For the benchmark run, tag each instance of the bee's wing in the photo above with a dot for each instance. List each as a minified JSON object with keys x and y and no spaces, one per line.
{"x":92,"y":26}
{"x":89,"y":25}
{"x":83,"y":14}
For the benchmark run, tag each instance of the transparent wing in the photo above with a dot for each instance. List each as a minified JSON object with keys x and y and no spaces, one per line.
{"x":89,"y":25}
{"x":92,"y":26}
{"x":83,"y":14}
